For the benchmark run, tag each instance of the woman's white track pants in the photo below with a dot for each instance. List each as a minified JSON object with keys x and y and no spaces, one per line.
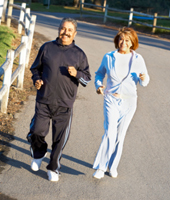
{"x":118,"y":114}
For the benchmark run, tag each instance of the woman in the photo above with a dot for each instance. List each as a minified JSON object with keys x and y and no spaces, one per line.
{"x":124,"y":68}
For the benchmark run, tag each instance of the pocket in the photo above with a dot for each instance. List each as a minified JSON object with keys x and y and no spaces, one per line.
{"x":63,"y":110}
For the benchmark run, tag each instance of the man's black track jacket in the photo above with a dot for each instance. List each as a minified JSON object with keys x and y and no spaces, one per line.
{"x":51,"y":66}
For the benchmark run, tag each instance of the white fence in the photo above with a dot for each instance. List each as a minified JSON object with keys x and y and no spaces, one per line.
{"x":131,"y":18}
{"x":23,"y":51}
{"x":1,"y":9}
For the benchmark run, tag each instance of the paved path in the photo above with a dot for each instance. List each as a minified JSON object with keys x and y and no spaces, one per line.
{"x":144,"y":168}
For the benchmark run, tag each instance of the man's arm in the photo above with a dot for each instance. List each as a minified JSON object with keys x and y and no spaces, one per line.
{"x":83,"y":73}
{"x":36,"y":67}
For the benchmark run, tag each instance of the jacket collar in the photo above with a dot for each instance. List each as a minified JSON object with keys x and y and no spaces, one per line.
{"x":64,"y":46}
{"x":134,"y":54}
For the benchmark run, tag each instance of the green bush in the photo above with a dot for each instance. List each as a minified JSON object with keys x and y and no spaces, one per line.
{"x":6,"y":36}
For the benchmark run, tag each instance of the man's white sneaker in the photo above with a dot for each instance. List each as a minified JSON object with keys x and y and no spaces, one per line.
{"x":52,"y":176}
{"x":113,"y":174}
{"x":36,"y":163}
{"x":98,"y":174}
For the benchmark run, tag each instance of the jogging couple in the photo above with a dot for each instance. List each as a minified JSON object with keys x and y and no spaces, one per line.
{"x":57,"y":71}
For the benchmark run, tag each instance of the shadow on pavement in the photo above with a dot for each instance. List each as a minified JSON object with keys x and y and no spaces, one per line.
{"x":18,"y":164}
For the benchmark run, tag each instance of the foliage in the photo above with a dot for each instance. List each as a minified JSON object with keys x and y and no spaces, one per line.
{"x":62,"y":2}
{"x":55,"y":2}
{"x":6,"y":36}
{"x":71,"y":9}
{"x":54,"y":8}
{"x":147,"y":6}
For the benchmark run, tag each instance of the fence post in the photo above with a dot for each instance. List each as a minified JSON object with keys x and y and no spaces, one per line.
{"x":80,"y":8}
{"x":1,"y":9}
{"x":7,"y":81}
{"x":27,"y":21}
{"x":4,"y":10}
{"x":105,"y":14}
{"x":82,"y":1}
{"x":30,"y":38}
{"x":10,"y":8}
{"x":21,"y":18}
{"x":130,"y":17}
{"x":22,"y":59}
{"x":104,"y":5}
{"x":154,"y":22}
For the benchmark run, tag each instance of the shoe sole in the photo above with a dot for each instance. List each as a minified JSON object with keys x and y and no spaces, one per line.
{"x":35,"y":170}
{"x":98,"y":177}
{"x":113,"y":176}
{"x":53,"y":180}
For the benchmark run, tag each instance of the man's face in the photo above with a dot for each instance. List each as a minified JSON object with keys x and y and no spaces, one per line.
{"x":67,"y":33}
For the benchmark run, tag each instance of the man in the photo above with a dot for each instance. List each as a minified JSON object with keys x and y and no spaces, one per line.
{"x":57,"y":71}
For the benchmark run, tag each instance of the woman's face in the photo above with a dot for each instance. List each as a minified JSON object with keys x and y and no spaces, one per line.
{"x":124,"y":44}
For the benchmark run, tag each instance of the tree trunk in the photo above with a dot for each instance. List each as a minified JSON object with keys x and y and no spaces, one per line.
{"x":98,"y":2}
{"x":76,"y":3}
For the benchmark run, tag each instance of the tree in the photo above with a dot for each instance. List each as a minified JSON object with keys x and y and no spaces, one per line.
{"x":98,"y":2}
{"x":76,"y":3}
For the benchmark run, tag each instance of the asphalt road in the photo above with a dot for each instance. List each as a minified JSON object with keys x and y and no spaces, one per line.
{"x":144,"y":169}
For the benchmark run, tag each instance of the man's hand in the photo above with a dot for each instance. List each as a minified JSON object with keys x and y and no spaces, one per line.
{"x":142,"y":76}
{"x":72,"y":71}
{"x":100,"y":90}
{"x":38,"y":84}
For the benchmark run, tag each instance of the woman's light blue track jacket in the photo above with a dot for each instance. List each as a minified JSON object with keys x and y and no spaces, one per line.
{"x":126,"y":87}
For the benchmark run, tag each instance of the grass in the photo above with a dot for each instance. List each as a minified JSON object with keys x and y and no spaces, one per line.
{"x":163,"y":22}
{"x":87,"y":10}
{"x":160,"y":22}
{"x":54,"y":8}
{"x":6,"y":37}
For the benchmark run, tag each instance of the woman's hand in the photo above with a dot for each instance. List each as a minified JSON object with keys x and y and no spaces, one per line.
{"x":142,"y":76}
{"x":100,"y":90}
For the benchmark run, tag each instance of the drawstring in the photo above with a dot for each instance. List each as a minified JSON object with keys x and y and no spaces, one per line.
{"x":120,"y":101}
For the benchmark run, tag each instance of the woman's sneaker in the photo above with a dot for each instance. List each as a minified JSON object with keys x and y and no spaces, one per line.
{"x":36,"y":163}
{"x":53,"y":176}
{"x":113,"y":174}
{"x":98,"y":174}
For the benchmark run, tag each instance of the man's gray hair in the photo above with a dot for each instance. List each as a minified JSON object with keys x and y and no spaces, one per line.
{"x":73,"y":21}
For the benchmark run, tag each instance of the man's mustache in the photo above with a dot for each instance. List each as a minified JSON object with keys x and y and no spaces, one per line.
{"x":65,"y":35}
